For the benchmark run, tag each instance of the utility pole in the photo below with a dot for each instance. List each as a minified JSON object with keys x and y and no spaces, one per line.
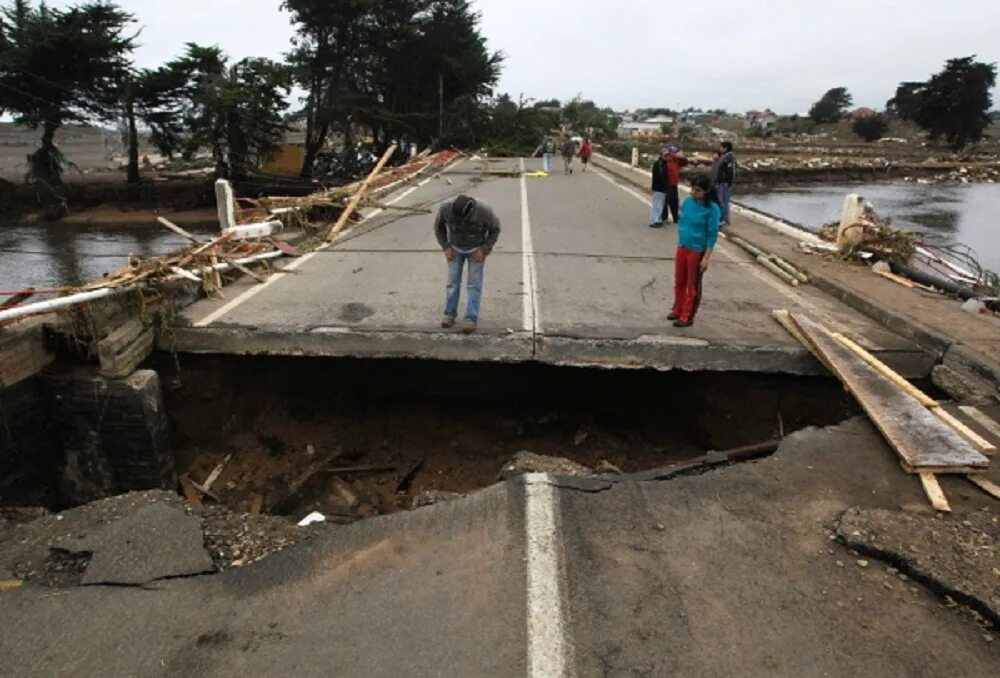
{"x":440,"y":105}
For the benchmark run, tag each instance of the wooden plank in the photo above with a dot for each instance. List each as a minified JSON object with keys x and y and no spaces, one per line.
{"x":963,"y":430}
{"x":177,"y":229}
{"x":985,"y":485}
{"x":919,"y":395}
{"x":982,"y":419}
{"x":256,"y":504}
{"x":190,"y":493}
{"x":359,"y":194}
{"x":897,"y":279}
{"x":920,"y":438}
{"x":23,"y":354}
{"x":934,"y":492}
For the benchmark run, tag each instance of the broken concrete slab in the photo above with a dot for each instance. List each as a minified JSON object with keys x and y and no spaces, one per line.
{"x":155,"y":542}
{"x":955,"y":555}
{"x":529,"y":462}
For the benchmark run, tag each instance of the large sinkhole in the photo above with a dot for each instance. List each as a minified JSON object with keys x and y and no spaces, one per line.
{"x":352,"y":438}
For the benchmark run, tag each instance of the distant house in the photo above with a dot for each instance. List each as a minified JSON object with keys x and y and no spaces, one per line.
{"x":640,"y":129}
{"x":765,"y":119}
{"x":661,"y":120}
{"x":862,"y":113}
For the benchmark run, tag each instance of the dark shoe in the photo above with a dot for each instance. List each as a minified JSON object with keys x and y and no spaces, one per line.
{"x":656,"y":224}
{"x":681,"y":323}
{"x":468,"y":327}
{"x":447,"y":322}
{"x":673,"y":316}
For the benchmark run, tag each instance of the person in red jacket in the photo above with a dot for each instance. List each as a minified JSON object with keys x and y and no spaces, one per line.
{"x":586,"y":150}
{"x":675,"y":160}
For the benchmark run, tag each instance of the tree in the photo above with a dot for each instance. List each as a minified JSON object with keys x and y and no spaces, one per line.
{"x":202,"y":101}
{"x":955,"y":103}
{"x":586,"y":117}
{"x":59,"y":66}
{"x":905,"y":105}
{"x":870,"y":127}
{"x":418,"y":68}
{"x":832,"y":106}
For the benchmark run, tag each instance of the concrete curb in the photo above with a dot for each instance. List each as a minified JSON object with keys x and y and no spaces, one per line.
{"x":942,"y":347}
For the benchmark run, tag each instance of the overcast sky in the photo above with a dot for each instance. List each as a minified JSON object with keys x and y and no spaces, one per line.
{"x":732,"y":54}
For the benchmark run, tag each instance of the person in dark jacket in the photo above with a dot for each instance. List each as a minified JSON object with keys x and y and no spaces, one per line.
{"x":674,"y":162}
{"x":659,"y":188}
{"x":467,"y":231}
{"x":723,"y":176}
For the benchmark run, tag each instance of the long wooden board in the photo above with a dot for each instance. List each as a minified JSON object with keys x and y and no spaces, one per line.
{"x":921,"y":439}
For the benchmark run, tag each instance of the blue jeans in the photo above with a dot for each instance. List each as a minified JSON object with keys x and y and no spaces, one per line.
{"x":656,"y":211}
{"x":473,"y":286}
{"x":725,"y":193}
{"x":547,"y":162}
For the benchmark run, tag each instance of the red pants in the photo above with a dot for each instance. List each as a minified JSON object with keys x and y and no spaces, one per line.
{"x":687,"y":283}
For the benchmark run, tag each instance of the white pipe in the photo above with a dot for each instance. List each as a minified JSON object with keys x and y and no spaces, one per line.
{"x":249,"y":231}
{"x":62,"y":302}
{"x":225,"y":266}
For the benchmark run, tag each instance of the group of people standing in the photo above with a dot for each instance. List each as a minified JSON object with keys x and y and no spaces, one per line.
{"x":699,"y":221}
{"x":568,"y":150}
{"x":467,"y":230}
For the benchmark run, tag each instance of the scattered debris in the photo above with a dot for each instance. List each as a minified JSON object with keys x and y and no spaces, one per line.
{"x":529,"y":462}
{"x":314,"y":517}
{"x":428,"y":497}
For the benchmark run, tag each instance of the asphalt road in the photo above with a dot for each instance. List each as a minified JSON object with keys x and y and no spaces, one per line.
{"x":577,"y":278}
{"x":728,"y":572}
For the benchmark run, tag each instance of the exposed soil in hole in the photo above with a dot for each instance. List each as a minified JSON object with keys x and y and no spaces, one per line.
{"x":420,"y":430}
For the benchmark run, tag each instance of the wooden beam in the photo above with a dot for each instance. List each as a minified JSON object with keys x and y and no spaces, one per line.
{"x":177,"y":229}
{"x":920,"y":438}
{"x":921,"y":397}
{"x":359,"y":194}
{"x":934,"y":492}
{"x":985,"y":485}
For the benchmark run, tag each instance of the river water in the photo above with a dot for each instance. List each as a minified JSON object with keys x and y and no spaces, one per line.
{"x":963,"y":213}
{"x":45,"y":255}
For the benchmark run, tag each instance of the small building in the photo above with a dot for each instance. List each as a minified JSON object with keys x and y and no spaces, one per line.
{"x":287,"y":160}
{"x":765,"y":119}
{"x":640,"y":129}
{"x":661,"y":120}
{"x":862,"y":112}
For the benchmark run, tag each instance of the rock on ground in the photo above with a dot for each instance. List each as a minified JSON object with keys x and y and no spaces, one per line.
{"x":529,"y":462}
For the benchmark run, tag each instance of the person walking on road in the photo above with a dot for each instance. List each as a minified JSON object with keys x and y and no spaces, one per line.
{"x":586,"y":150}
{"x":674,"y":162}
{"x":659,"y":188}
{"x":548,"y":150}
{"x":696,"y":238}
{"x":568,"y":151}
{"x":467,"y":231}
{"x":723,"y":176}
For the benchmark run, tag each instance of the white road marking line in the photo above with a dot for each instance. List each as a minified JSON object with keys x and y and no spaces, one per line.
{"x":982,"y":419}
{"x":531,"y":318}
{"x":257,"y":289}
{"x":546,"y":626}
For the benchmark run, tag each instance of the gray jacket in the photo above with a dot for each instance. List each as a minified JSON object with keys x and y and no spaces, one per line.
{"x":480,"y":229}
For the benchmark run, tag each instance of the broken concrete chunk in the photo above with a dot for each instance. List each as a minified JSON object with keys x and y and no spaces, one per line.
{"x":155,"y":542}
{"x":529,"y":462}
{"x":428,"y":497}
{"x":956,"y":557}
